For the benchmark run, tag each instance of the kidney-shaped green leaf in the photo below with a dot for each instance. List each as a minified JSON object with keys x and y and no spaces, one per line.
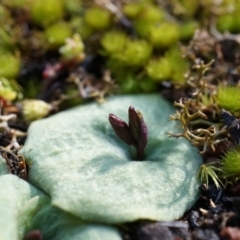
{"x":75,"y":157}
{"x":19,"y":201}
{"x":24,"y":208}
{"x":3,"y":166}
{"x":56,"y":224}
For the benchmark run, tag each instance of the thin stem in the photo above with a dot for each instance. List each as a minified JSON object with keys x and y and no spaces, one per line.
{"x":140,"y":154}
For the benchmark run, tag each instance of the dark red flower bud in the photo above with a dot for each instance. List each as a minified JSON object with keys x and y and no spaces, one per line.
{"x":137,"y":127}
{"x":121,"y":129}
{"x":133,"y":134}
{"x":33,"y":235}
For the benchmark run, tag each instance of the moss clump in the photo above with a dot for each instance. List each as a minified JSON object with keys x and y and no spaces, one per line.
{"x":55,"y":37}
{"x":228,"y":97}
{"x":179,"y":65}
{"x":159,"y":69}
{"x":145,"y":11}
{"x":129,"y":83}
{"x":187,"y":30}
{"x":6,"y":39}
{"x":79,"y":26}
{"x":144,"y":16}
{"x":125,"y":51}
{"x":150,"y":13}
{"x":113,"y":42}
{"x":170,"y":67}
{"x":16,"y":3}
{"x":228,"y":22}
{"x":143,"y":28}
{"x":231,"y":164}
{"x":188,"y":7}
{"x":136,"y":53}
{"x":132,"y":10}
{"x":164,"y":35}
{"x":9,"y":65}
{"x":44,"y":12}
{"x":97,"y":18}
{"x":73,"y":6}
{"x":9,"y":89}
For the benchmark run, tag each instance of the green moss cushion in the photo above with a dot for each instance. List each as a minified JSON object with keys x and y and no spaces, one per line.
{"x":75,"y":158}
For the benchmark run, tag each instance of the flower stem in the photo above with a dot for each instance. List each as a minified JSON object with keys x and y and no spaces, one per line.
{"x":140,"y":154}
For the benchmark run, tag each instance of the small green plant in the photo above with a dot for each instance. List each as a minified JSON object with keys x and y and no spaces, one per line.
{"x":135,"y":53}
{"x":10,"y":65}
{"x":187,"y":29}
{"x":56,"y":38}
{"x":228,"y":97}
{"x":172,"y":66}
{"x":132,"y":10}
{"x":44,"y":12}
{"x":228,"y":20}
{"x":9,"y":89}
{"x":210,"y":171}
{"x":164,"y":35}
{"x":97,"y":18}
{"x":113,"y":42}
{"x":144,"y":16}
{"x":73,"y":48}
{"x":231,"y":164}
{"x":159,"y":69}
{"x":180,"y":65}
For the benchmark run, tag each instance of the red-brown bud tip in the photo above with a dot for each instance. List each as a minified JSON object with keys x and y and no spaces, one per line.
{"x":137,"y":126}
{"x":33,"y":235}
{"x":116,"y":121}
{"x":121,"y":129}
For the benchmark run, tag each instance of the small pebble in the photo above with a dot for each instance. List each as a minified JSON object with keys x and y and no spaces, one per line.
{"x":230,"y":233}
{"x":206,"y":234}
{"x":154,"y":231}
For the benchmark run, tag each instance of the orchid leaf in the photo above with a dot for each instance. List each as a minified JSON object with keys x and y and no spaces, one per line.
{"x":76,"y":158}
{"x":3,"y":166}
{"x":24,"y":208}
